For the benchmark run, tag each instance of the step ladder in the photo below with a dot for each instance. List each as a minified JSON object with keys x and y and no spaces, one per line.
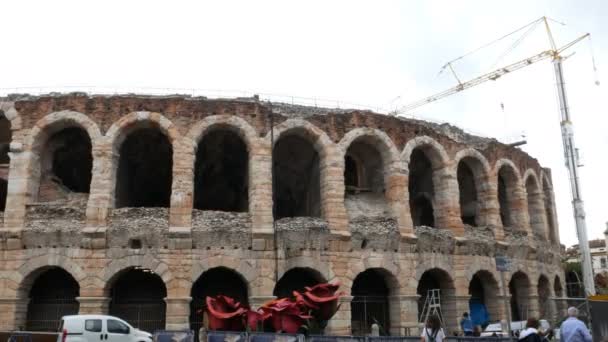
{"x":432,"y":306}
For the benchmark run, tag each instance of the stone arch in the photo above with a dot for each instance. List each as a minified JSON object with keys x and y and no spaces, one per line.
{"x":239,"y":134}
{"x":484,"y":290}
{"x":11,"y":114}
{"x":549,"y":198}
{"x":295,"y":279}
{"x":33,"y":267}
{"x":520,"y":291}
{"x":301,"y":153}
{"x":118,"y":266}
{"x":427,"y":165}
{"x":438,"y":278}
{"x":46,"y":129}
{"x":536,"y":206}
{"x":215,"y":281}
{"x":544,"y":294}
{"x":153,"y":125}
{"x":511,"y":199}
{"x":373,"y":291}
{"x":52,"y":293}
{"x":374,"y":158}
{"x":241,"y":267}
{"x":472,"y":172}
{"x":138,"y":295}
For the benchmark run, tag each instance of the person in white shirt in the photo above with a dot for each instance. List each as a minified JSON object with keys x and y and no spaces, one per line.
{"x":432,"y":332}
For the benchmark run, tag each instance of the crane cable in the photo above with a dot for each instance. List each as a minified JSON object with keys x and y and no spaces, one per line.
{"x":446,"y":65}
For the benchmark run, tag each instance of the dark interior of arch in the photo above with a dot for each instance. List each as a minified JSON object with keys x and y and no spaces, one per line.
{"x":144,"y":170}
{"x":351,"y":172}
{"x":5,"y":138}
{"x":3,"y":193}
{"x":296,"y":279}
{"x":71,"y":159}
{"x":468,"y":194}
{"x":476,"y":290}
{"x":421,"y":189}
{"x":296,"y":178}
{"x":504,"y":198}
{"x":544,"y":290}
{"x":220,"y":181}
{"x":518,"y":289}
{"x":430,"y":280}
{"x":370,"y":303}
{"x":574,"y":286}
{"x":216,"y":281}
{"x":369,"y":168}
{"x":52,"y":295}
{"x":138,"y":297}
{"x":557,"y":287}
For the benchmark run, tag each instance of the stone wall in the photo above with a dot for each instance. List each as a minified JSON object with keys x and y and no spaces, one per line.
{"x":368,"y":227}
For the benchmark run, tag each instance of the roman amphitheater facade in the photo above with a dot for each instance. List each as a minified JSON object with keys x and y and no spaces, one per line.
{"x":141,"y":206}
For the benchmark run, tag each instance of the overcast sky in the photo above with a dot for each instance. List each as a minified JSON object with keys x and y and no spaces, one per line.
{"x":379,"y":53}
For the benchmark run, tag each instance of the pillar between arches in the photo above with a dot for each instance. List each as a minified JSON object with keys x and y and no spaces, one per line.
{"x":533,"y":306}
{"x":404,"y":315}
{"x":93,"y":305}
{"x":447,"y":207}
{"x":340,"y":324}
{"x":177,"y":313}
{"x":461,"y":305}
{"x":13,"y":312}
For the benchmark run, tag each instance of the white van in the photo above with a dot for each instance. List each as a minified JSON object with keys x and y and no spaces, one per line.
{"x":99,"y":328}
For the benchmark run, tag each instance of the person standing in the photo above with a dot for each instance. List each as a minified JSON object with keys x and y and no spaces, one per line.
{"x":466,"y":324}
{"x":432,"y":331}
{"x":573,"y":329}
{"x":530,"y":334}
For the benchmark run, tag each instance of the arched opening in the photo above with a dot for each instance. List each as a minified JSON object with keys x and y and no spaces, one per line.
{"x":296,"y":279}
{"x":364,"y":181}
{"x":296,"y":178}
{"x":483,"y":304}
{"x":221,"y":171}
{"x":5,"y":141}
{"x":52,"y":295}
{"x":544,"y":291}
{"x":536,"y":211}
{"x":144,"y":149}
{"x":469,"y":205}
{"x":213,"y":282}
{"x":66,"y":164}
{"x":421,"y":189}
{"x":519,"y":289}
{"x":138,"y":296}
{"x":574,"y":285}
{"x":3,"y":193}
{"x":370,"y":303}
{"x":550,"y":215}
{"x":507,"y":184}
{"x":559,"y":294}
{"x":436,"y":284}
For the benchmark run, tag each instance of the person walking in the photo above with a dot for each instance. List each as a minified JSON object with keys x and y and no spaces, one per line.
{"x":573,"y":329}
{"x":466,"y":324}
{"x":530,"y":334}
{"x":432,"y":331}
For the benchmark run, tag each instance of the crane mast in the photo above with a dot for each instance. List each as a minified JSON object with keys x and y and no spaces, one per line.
{"x":570,"y":151}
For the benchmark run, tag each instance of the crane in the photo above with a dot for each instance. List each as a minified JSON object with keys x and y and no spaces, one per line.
{"x":570,"y":151}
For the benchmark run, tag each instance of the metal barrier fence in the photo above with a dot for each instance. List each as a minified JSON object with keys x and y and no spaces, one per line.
{"x":173,"y":336}
{"x":223,"y":336}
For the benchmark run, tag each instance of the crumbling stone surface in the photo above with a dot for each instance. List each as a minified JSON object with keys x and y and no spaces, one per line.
{"x":149,"y":225}
{"x":366,"y":204}
{"x":297,"y":233}
{"x":53,"y":225}
{"x":435,"y":240}
{"x":220,"y":228}
{"x":379,"y":232}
